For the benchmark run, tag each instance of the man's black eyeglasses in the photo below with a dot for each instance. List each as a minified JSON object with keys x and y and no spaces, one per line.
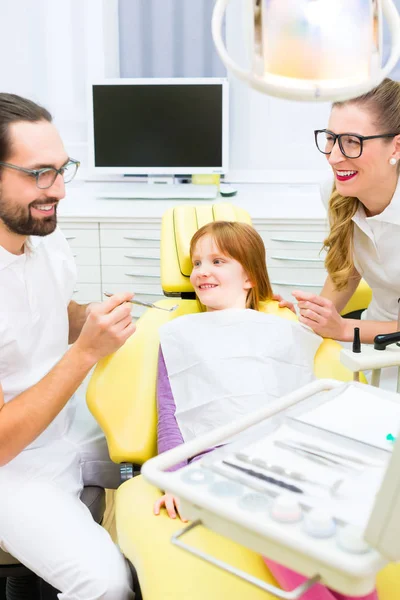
{"x":47,"y":176}
{"x":350,"y":144}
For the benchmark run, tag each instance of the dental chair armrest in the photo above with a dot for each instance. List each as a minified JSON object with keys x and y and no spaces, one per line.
{"x":145,"y":539}
{"x":327,"y":363}
{"x":359,"y":301}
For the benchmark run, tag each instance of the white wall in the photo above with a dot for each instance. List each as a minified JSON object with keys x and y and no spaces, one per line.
{"x":51,"y":49}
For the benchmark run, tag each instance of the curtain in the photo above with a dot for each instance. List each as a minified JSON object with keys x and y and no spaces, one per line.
{"x":167,"y":38}
{"x":51,"y":50}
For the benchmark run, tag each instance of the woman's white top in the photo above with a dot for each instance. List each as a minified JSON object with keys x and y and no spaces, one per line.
{"x":377,"y":255}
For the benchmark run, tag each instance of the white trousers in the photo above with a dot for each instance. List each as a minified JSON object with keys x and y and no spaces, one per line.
{"x":47,"y":528}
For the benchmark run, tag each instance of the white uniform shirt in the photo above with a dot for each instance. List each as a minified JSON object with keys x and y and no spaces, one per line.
{"x":377,"y":255}
{"x":35,"y":290}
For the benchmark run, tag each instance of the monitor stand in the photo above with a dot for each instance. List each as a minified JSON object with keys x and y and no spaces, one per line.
{"x":158,"y":188}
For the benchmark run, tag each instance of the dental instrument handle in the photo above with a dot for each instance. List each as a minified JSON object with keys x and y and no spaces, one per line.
{"x":262,"y":464}
{"x":348,"y":457}
{"x":139,"y":302}
{"x":314,"y":456}
{"x":148,"y":304}
{"x":266,"y":478}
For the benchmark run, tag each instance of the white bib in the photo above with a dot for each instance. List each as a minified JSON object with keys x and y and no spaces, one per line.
{"x":227,"y":363}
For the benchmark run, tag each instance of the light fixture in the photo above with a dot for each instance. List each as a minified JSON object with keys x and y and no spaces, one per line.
{"x":326,"y":50}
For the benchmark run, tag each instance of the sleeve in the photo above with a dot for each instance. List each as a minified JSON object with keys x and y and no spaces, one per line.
{"x":168,"y":432}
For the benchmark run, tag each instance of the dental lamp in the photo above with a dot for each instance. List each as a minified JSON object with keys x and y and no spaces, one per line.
{"x":325,"y":50}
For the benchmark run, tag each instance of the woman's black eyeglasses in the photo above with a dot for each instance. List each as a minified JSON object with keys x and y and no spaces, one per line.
{"x":350,"y":144}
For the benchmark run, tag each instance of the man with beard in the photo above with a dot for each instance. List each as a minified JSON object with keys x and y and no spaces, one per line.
{"x":43,"y":463}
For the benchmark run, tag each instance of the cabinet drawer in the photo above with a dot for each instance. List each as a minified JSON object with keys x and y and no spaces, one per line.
{"x":131,"y":274}
{"x":130,"y":256}
{"x":89,"y":274}
{"x":82,"y":238}
{"x":284,"y":258}
{"x":285,"y":290}
{"x":297,"y":240}
{"x":87,"y":292}
{"x":87,"y":256}
{"x":130,"y":238}
{"x":297,"y":277}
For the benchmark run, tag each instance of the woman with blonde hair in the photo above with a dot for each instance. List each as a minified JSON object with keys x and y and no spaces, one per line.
{"x":362,"y":146}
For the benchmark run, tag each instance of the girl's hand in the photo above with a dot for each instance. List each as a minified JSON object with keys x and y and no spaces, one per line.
{"x":284,"y":303}
{"x":321,"y":315}
{"x":172,"y":505}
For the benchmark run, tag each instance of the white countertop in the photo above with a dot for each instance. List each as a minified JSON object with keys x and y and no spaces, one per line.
{"x":262,"y":201}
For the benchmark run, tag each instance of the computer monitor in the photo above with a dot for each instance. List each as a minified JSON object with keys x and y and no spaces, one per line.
{"x":159,"y":126}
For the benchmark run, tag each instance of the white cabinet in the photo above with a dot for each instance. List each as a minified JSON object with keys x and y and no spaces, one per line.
{"x":295,"y":258}
{"x":85,"y":245}
{"x":130,"y":260}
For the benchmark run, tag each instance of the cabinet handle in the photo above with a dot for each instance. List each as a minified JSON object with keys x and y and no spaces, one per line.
{"x":142,"y":275}
{"x":141,"y":239}
{"x":70,"y":237}
{"x":296,"y":241}
{"x":296,"y":285}
{"x":290,"y":258}
{"x":142,"y":257}
{"x":75,"y":291}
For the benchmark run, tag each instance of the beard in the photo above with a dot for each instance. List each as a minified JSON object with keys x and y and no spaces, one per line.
{"x":18,"y":219}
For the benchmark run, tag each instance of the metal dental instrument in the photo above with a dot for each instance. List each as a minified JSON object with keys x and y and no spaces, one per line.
{"x":266,"y":478}
{"x":314,"y":456}
{"x":296,"y":475}
{"x":349,"y":457}
{"x":148,"y":304}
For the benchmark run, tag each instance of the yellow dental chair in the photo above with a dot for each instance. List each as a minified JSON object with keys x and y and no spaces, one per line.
{"x":122,"y":397}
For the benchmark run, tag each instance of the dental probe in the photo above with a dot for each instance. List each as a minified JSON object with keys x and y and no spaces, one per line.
{"x":148,"y":304}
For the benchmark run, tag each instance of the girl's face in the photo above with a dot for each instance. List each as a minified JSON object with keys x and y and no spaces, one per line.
{"x":219,"y":281}
{"x":370,"y":178}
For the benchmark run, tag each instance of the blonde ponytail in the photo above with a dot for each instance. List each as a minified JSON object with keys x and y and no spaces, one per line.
{"x":339,"y":243}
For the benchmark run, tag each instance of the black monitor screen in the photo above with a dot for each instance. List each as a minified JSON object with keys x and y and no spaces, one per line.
{"x":157,"y":125}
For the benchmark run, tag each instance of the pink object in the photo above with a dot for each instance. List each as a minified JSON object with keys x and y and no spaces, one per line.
{"x":289,"y":580}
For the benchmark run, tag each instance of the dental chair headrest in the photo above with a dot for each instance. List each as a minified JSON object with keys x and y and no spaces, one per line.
{"x":179,"y":224}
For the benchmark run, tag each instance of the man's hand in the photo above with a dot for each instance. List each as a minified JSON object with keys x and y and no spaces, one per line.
{"x":107,"y":327}
{"x":172,"y":505}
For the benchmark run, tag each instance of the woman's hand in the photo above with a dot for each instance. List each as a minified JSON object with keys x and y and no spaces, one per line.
{"x":321,"y":315}
{"x":284,"y":303}
{"x":172,"y":505}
